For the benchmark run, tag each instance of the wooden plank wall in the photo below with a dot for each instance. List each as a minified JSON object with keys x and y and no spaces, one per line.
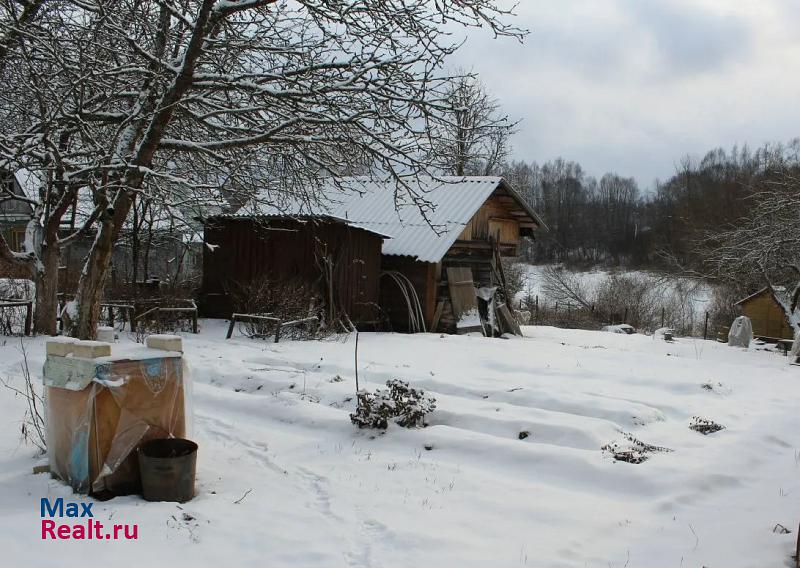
{"x":285,"y":251}
{"x":480,"y":261}
{"x":423,"y":278}
{"x":473,"y":250}
{"x":767,"y":317}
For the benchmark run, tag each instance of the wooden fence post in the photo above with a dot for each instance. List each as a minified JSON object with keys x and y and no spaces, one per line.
{"x":133,"y":317}
{"x":230,"y":327}
{"x":663,"y":314}
{"x":28,"y":317}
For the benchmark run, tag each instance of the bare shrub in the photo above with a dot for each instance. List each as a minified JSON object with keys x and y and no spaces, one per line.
{"x":627,"y":297}
{"x":153,"y":320}
{"x":566,"y":316}
{"x":284,"y":301}
{"x":722,"y":308}
{"x":564,"y":286}
{"x":515,"y":277}
{"x":17,"y":288}
{"x":12,"y":319}
{"x":32,"y":428}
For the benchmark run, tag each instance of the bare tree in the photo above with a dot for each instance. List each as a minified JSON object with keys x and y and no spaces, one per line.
{"x":472,"y":137}
{"x":206,"y":101}
{"x":765,"y":244}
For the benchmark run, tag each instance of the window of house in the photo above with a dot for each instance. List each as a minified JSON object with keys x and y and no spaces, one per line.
{"x":16,"y":239}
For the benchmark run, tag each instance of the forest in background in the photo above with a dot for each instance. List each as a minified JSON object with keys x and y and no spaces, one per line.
{"x":611,"y":221}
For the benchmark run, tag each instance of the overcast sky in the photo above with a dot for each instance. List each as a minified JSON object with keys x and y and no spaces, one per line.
{"x":632,"y":85}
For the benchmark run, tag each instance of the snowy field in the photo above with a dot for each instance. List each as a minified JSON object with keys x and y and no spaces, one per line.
{"x":699,"y":293}
{"x":284,"y":478}
{"x":685,"y":301}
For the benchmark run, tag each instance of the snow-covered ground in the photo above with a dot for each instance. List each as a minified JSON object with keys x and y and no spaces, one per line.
{"x":284,"y":478}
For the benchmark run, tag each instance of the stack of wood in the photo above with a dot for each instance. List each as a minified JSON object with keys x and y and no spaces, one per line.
{"x":467,"y":274}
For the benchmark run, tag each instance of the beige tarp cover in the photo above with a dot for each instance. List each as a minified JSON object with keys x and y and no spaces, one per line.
{"x":92,"y":432}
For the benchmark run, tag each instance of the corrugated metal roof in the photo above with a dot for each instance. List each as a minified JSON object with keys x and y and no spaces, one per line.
{"x":424,"y":226}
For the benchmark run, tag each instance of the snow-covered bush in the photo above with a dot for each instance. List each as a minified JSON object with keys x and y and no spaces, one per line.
{"x":401,"y":404}
{"x":705,"y":426}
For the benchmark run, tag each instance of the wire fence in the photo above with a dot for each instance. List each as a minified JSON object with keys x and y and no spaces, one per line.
{"x":687,"y":322}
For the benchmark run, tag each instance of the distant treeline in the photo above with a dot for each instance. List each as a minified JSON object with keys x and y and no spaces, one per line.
{"x":612,"y":220}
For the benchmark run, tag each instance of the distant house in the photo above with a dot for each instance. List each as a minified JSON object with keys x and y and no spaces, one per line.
{"x":167,"y":246}
{"x":14,"y":213}
{"x":767,"y":315}
{"x":14,"y":217}
{"x":456,"y":222}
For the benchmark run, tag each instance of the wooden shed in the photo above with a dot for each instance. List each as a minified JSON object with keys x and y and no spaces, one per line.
{"x":298,"y":251}
{"x":767,"y":315}
{"x":477,"y":221}
{"x":429,"y":225}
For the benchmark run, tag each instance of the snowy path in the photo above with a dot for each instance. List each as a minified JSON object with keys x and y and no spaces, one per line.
{"x":274,"y":434}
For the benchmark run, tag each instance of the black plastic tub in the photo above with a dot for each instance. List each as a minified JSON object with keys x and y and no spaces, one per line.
{"x":167,"y":468}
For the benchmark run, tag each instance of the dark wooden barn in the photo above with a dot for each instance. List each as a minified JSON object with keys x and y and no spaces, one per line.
{"x":461,"y":226}
{"x":307,"y":252}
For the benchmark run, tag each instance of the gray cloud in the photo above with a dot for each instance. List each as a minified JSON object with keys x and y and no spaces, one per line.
{"x":632,"y":85}
{"x":692,"y":39}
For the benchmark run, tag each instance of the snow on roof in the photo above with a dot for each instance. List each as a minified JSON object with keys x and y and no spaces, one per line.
{"x":29,"y":182}
{"x":779,"y":290}
{"x":425,"y":230}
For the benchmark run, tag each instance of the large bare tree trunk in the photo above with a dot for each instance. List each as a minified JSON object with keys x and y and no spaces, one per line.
{"x":90,"y":286}
{"x":46,"y":315}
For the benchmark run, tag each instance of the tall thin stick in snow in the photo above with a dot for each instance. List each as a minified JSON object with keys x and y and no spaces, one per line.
{"x":355,"y":363}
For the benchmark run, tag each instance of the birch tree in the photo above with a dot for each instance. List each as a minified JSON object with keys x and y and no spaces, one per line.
{"x":212,"y":100}
{"x":472,"y":137}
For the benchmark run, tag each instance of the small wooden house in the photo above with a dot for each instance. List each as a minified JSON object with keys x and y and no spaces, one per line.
{"x":767,"y":315}
{"x":407,"y":238}
{"x":15,"y":213}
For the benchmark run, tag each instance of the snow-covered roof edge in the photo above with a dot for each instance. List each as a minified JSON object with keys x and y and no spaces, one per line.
{"x":757,"y":294}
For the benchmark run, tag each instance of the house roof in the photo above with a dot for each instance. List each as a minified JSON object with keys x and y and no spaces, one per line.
{"x":780,"y":290}
{"x":13,"y":210}
{"x":424,"y":226}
